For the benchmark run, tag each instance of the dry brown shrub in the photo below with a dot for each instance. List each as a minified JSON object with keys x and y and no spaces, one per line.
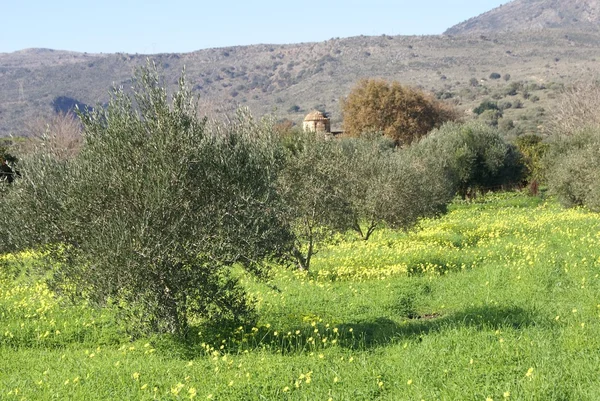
{"x":578,"y":108}
{"x":401,"y":113}
{"x":61,"y":132}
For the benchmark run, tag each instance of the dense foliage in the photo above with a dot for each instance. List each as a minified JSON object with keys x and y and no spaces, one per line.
{"x":572,"y":165}
{"x":573,"y":168}
{"x":403,"y":114}
{"x":475,"y":155}
{"x":155,"y":209}
{"x":356,"y":184}
{"x":533,"y":148}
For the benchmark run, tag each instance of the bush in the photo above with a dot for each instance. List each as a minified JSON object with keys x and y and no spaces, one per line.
{"x":573,"y":168}
{"x":402,"y":114}
{"x":576,"y":110}
{"x":475,"y":155}
{"x":486,"y":105}
{"x":155,"y":209}
{"x":506,"y":125}
{"x":491,"y":117}
{"x":573,"y":154}
{"x":61,"y":131}
{"x":533,"y":150}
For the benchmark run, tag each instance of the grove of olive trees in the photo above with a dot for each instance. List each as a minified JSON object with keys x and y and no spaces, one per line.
{"x":156,"y":210}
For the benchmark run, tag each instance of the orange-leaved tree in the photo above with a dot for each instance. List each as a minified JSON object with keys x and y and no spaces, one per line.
{"x":401,"y":113}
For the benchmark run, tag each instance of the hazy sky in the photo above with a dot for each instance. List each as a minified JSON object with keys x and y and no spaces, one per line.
{"x":152,"y":26}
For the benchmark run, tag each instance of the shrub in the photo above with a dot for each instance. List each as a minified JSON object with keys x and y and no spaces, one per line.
{"x":573,"y":157}
{"x":491,"y":117}
{"x":576,"y":109}
{"x":573,"y":171}
{"x":533,"y":150}
{"x":486,"y":105}
{"x":476,"y":156}
{"x":155,"y":209}
{"x":62,"y":132}
{"x":402,"y":114}
{"x":506,"y":125}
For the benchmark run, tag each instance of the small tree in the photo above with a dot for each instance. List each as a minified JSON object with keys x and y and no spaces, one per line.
{"x":572,"y":170}
{"x":155,"y":208}
{"x":573,"y":154}
{"x":576,"y":109}
{"x":391,"y":187}
{"x":533,"y":150}
{"x":402,"y":114}
{"x":475,"y":155}
{"x":313,"y":185}
{"x":61,"y":132}
{"x":356,"y":184}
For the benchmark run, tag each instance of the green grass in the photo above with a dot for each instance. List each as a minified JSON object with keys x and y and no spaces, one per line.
{"x":498,"y":299}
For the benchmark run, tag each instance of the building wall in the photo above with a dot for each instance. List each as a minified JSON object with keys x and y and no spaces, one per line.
{"x":323,"y":126}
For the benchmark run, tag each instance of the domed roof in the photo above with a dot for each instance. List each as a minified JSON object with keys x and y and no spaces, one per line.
{"x":315,"y":116}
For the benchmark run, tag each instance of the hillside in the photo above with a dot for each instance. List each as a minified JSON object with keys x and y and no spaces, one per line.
{"x":291,"y":80}
{"x":534,"y":15}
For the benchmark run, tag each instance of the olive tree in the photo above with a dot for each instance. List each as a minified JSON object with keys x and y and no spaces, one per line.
{"x":390,"y":186}
{"x":475,"y":155}
{"x":314,"y":187}
{"x":571,"y":168}
{"x":359,"y":184}
{"x":155,"y":208}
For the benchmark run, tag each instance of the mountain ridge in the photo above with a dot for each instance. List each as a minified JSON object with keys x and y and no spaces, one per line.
{"x":290,"y":80}
{"x":533,"y":15}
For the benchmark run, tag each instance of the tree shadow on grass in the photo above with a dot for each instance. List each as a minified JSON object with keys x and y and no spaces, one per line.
{"x":383,"y":331}
{"x":361,"y":335}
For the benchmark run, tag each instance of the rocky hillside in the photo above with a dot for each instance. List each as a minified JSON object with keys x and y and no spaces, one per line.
{"x":534,"y":15}
{"x":291,"y":80}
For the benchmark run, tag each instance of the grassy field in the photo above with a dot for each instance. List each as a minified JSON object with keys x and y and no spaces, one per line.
{"x":499,"y":299}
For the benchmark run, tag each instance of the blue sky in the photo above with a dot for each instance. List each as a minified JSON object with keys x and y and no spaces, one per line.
{"x":151,"y":26}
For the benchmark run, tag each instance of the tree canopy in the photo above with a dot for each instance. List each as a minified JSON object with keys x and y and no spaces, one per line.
{"x":401,"y":113}
{"x":155,"y":209}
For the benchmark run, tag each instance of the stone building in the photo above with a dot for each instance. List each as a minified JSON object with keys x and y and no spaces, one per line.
{"x":316,"y":121}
